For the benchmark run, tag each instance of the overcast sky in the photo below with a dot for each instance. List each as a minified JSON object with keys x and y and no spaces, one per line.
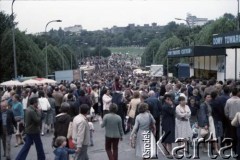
{"x":33,"y":15}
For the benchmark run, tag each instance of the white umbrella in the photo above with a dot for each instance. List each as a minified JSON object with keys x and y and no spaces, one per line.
{"x":11,"y":83}
{"x":31,"y":82}
{"x":50,"y":81}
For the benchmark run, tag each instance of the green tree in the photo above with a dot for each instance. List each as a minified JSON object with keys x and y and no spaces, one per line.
{"x":101,"y":51}
{"x":161,"y":57}
{"x":56,"y":58}
{"x":149,"y":54}
{"x":28,"y":56}
{"x":224,"y":24}
{"x":69,"y":57}
{"x":105,"y":52}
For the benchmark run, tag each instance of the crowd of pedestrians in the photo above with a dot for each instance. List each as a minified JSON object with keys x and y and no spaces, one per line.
{"x":126,"y":103}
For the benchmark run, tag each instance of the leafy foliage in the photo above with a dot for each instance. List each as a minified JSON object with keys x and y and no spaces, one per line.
{"x":148,"y":56}
{"x":65,"y":49}
{"x":29,"y":56}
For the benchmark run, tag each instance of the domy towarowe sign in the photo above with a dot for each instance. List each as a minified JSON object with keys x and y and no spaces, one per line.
{"x":229,"y":40}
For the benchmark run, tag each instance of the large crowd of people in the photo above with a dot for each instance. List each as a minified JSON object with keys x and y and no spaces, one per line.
{"x":127,"y":103}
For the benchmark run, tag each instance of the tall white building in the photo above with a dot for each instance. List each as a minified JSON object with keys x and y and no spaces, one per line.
{"x":74,"y":29}
{"x":195,"y":21}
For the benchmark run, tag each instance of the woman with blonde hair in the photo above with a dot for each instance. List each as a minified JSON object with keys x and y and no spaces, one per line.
{"x":133,"y":107}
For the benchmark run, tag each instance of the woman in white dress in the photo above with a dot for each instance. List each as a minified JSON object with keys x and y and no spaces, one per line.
{"x":182,"y":127}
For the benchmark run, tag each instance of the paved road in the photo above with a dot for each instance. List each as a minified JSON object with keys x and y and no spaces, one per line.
{"x":97,"y":152}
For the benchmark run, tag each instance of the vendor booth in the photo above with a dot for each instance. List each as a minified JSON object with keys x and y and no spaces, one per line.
{"x":230,"y":42}
{"x":205,"y":61}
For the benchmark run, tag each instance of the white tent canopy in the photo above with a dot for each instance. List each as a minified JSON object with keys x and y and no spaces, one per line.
{"x":49,"y":81}
{"x":39,"y":81}
{"x":31,"y":82}
{"x":11,"y":83}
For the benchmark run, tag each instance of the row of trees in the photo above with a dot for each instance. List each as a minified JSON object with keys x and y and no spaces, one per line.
{"x":64,"y":52}
{"x":66,"y":49}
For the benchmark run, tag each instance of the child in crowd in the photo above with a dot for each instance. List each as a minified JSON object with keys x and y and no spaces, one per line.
{"x":91,"y":130}
{"x":195,"y":131}
{"x":61,"y":152}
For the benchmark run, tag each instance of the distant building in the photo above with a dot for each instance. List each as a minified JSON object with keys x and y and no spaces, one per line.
{"x":39,"y":33}
{"x":74,"y":29}
{"x":154,"y":24}
{"x":146,"y":25}
{"x":107,"y":30}
{"x":117,"y":30}
{"x":195,"y":21}
{"x":131,"y":25}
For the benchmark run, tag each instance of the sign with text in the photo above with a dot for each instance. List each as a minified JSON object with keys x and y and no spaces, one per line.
{"x":228,"y":40}
{"x":183,"y":52}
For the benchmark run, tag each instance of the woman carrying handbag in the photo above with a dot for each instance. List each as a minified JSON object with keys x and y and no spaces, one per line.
{"x":144,"y":131}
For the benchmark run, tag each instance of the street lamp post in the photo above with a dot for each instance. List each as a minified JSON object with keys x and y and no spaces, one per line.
{"x":153,"y":57}
{"x":14,"y":45}
{"x":180,"y":19}
{"x":71,"y":60}
{"x":46,"y":63}
{"x":61,"y":52}
{"x":71,"y":54}
{"x":238,"y":23}
{"x":236,"y":48}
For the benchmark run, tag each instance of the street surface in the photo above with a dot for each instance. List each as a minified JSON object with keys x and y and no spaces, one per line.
{"x":97,"y":152}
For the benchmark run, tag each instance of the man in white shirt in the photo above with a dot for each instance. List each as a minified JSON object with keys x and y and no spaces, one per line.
{"x":44,"y":106}
{"x":81,"y":133}
{"x":25,"y":99}
{"x":107,"y":101}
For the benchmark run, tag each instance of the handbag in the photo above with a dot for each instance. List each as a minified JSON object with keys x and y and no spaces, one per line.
{"x":70,"y":128}
{"x":152,"y":139}
{"x":18,"y":118}
{"x":151,"y":127}
{"x":71,"y":145}
{"x":204,"y":132}
{"x":133,"y":140}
